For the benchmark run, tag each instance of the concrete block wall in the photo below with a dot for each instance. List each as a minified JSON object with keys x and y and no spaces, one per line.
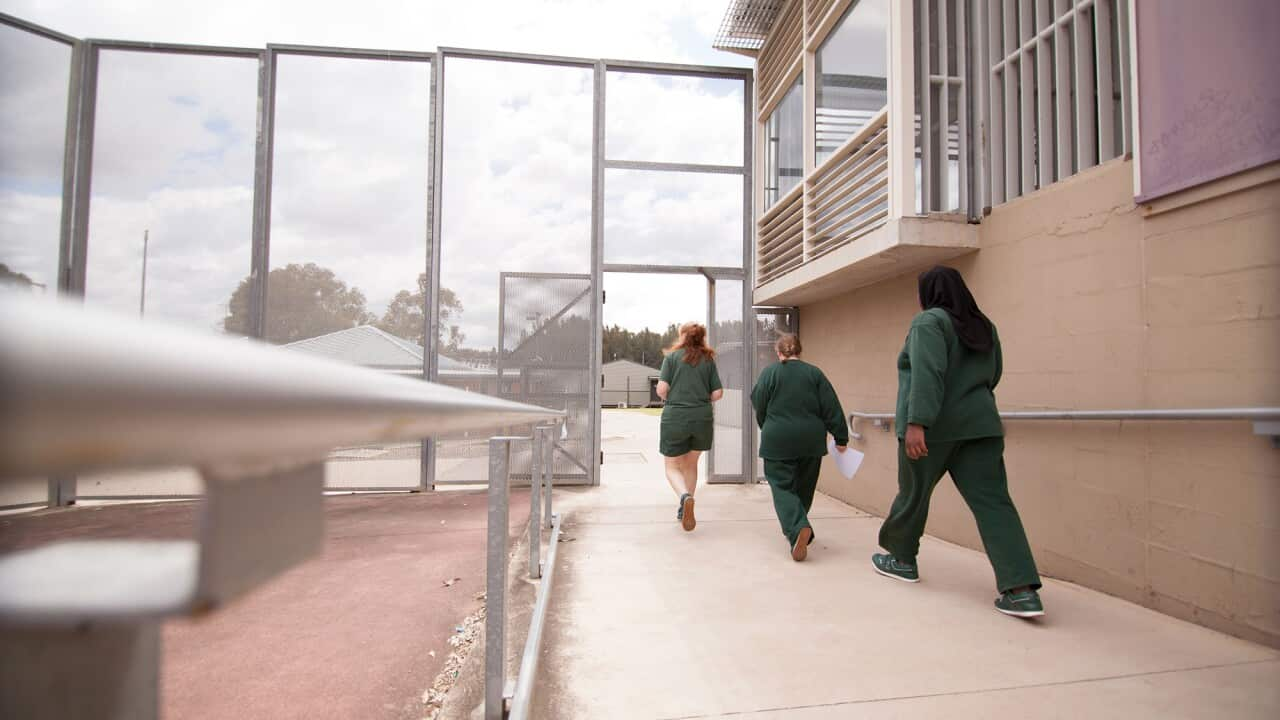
{"x":1102,"y":304}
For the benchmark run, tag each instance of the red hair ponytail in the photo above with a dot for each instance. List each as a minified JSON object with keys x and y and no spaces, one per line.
{"x":693,"y":340}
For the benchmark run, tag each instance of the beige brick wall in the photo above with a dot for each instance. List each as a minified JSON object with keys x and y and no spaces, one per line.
{"x":1100,"y":306}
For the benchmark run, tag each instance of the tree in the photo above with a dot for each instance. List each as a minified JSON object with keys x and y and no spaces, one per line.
{"x":303,"y":301}
{"x":644,"y":347}
{"x":404,"y":316}
{"x":15,"y":278}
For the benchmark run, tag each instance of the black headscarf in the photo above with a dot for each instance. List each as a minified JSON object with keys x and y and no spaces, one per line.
{"x":942,"y":287}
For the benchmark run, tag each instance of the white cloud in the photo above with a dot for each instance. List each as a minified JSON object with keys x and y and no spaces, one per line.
{"x":34,"y":73}
{"x":29,"y":242}
{"x":636,"y":301}
{"x":657,"y":30}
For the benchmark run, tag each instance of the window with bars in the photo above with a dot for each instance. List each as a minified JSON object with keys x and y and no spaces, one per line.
{"x":1014,"y":95}
{"x":941,"y":105}
{"x":1056,"y":89}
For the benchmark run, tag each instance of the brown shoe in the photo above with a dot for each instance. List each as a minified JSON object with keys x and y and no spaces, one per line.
{"x":687,"y":520}
{"x":800,"y":550}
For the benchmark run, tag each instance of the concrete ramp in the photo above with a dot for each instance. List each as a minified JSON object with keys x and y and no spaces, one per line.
{"x":653,"y":622}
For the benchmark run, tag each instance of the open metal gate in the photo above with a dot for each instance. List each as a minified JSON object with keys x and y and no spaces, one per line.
{"x":545,"y":359}
{"x":730,"y":337}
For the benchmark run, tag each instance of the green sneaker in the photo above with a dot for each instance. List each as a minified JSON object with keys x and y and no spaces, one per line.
{"x":1025,"y":604}
{"x":891,"y":567}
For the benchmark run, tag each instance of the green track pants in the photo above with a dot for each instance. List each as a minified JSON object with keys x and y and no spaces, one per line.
{"x":793,"y":482}
{"x":977,"y":468}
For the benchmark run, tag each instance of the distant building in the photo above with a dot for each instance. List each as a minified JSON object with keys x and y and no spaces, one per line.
{"x":629,"y":383}
{"x":371,"y":347}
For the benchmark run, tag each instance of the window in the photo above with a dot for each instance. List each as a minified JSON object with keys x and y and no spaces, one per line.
{"x":1055,"y":98}
{"x":851,"y":70}
{"x":942,"y":33}
{"x":783,"y":152}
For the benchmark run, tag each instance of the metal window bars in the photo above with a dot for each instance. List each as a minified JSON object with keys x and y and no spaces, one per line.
{"x":1056,"y":87}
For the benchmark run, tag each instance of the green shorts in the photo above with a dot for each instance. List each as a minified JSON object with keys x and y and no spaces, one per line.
{"x":678,"y":436}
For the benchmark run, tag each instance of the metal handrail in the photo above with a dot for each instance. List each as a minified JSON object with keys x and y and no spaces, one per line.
{"x":1264,"y":419}
{"x":87,"y":391}
{"x":522,"y":699}
{"x":498,"y":695}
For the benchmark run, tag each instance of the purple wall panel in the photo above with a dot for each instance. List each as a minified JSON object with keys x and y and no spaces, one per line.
{"x":1208,"y":90}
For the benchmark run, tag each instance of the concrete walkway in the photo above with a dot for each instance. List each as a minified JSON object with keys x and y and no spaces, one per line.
{"x":648,"y":621}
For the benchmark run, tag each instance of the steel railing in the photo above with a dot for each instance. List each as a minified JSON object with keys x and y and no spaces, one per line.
{"x":500,"y":697}
{"x":1266,"y":420}
{"x":844,"y":198}
{"x":84,"y":391}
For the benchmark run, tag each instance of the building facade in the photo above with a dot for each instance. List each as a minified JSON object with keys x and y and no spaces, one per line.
{"x":1104,"y":173}
{"x":624,"y":383}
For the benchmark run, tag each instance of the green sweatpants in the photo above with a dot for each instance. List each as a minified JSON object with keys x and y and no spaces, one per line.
{"x":977,"y":468}
{"x":793,"y":482}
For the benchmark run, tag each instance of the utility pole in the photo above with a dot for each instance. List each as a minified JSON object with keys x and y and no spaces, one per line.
{"x":142,"y":298}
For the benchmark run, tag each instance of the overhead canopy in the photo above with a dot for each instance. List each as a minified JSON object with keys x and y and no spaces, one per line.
{"x":746,"y":24}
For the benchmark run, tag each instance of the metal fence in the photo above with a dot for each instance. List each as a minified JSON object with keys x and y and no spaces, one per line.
{"x":92,"y":92}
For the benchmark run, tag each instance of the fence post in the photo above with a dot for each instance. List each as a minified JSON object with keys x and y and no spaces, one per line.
{"x":61,"y":490}
{"x":535,"y":501}
{"x":496,"y":578}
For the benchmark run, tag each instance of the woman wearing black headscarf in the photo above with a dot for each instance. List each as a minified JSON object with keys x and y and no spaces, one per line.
{"x":947,"y":422}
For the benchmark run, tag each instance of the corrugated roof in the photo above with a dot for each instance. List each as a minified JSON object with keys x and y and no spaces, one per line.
{"x":746,"y":24}
{"x":370,"y":346}
{"x":629,"y":367}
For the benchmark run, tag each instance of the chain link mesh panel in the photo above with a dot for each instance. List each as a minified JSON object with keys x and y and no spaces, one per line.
{"x":546,"y":360}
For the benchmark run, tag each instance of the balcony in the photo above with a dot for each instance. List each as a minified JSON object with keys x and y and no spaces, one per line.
{"x":834,"y":232}
{"x":862,"y":213}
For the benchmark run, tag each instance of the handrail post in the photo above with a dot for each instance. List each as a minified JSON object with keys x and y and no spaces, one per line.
{"x":496,"y":578}
{"x":549,"y":471}
{"x":535,"y":500}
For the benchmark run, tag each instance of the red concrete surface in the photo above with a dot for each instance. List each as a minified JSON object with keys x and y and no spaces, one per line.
{"x":346,"y":635}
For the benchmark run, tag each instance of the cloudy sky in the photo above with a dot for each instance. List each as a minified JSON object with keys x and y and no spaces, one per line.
{"x":175,"y":144}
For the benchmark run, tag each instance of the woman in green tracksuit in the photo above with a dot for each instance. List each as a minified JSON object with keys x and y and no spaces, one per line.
{"x":795,"y":409}
{"x":947,"y":422}
{"x":688,"y":383}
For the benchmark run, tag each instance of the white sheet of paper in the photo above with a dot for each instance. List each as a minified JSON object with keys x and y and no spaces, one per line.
{"x":847,"y":462}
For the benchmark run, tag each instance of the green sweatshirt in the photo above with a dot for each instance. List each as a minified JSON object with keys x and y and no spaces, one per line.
{"x":945,"y":386}
{"x":691,"y":386}
{"x":795,"y":409}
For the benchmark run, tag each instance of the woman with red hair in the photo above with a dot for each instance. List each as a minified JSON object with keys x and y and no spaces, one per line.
{"x":689,"y":383}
